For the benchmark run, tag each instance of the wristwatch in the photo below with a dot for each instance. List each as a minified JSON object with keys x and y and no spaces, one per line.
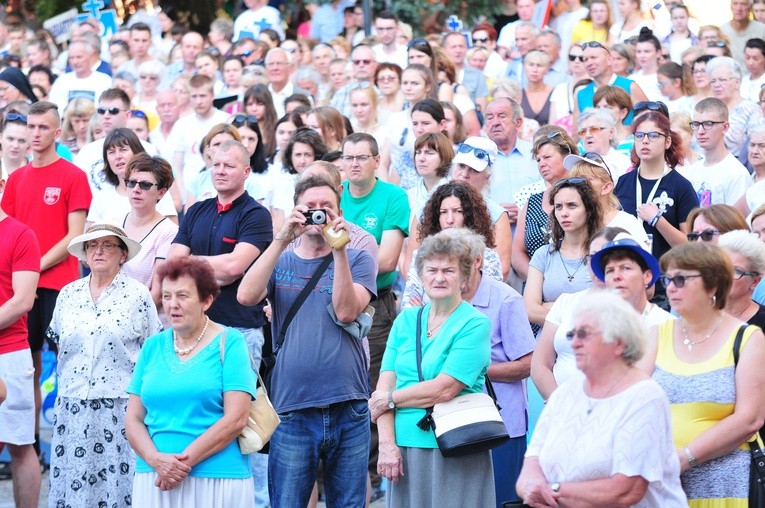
{"x":555,"y":487}
{"x":391,"y":404}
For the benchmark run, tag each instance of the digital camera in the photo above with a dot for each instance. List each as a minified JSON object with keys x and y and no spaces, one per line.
{"x":315,"y":216}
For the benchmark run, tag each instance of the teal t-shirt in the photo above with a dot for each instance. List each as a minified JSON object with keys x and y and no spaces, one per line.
{"x":384,"y":208}
{"x":185,"y":398}
{"x":461,"y":349}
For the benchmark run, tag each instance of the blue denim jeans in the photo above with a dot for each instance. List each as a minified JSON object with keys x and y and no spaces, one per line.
{"x":338,"y":435}
{"x":258,"y":461}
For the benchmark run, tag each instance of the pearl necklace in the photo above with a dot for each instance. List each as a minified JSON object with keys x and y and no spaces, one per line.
{"x":690,"y":343}
{"x":186,"y":350}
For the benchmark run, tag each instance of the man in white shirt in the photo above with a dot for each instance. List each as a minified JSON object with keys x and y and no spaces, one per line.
{"x":389,"y":50}
{"x":82,"y":81}
{"x":741,"y":28}
{"x":258,"y":16}
{"x":754,"y":58}
{"x":719,"y":178}
{"x":506,"y":38}
{"x":168,"y":111}
{"x":567,"y":13}
{"x":279,"y":68}
{"x":186,"y":135}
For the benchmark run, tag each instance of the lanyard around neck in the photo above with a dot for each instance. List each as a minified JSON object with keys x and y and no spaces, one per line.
{"x":639,"y":188}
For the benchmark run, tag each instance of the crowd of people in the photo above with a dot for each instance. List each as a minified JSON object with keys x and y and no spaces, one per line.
{"x":573,"y":213}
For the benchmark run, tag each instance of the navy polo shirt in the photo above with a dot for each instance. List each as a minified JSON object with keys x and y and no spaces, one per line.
{"x":209,"y":233}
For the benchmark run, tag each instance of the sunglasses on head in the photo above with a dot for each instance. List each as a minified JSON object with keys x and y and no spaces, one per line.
{"x":593,"y":44}
{"x":143,"y":185}
{"x":677,"y":280}
{"x":138,"y":113}
{"x":574,"y":58}
{"x":418,"y":42}
{"x":596,"y":157}
{"x":11,"y":117}
{"x":245,"y":119}
{"x":479,"y":153}
{"x":707,"y":235}
{"x":577,"y":180}
{"x":111,"y":111}
{"x":652,"y":106}
{"x":551,"y":137}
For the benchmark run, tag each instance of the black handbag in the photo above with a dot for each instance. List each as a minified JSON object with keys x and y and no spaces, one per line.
{"x":756,"y":448}
{"x":466,"y":424}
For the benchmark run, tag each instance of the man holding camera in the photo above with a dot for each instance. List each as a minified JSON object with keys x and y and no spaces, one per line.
{"x":319,"y":382}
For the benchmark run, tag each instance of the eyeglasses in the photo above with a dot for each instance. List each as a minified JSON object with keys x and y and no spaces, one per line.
{"x":362,"y":61}
{"x":677,"y":280}
{"x":580,"y":333}
{"x":482,"y":40}
{"x":289,"y":50}
{"x":738,"y":273}
{"x":276,"y":64}
{"x":137,"y":113}
{"x":593,"y":44}
{"x":149,"y":76}
{"x":577,"y":180}
{"x":10,"y":117}
{"x":143,"y":185}
{"x":361,"y":159}
{"x":245,"y":119}
{"x":418,"y":42}
{"x":720,"y":81}
{"x":247,"y":53}
{"x":596,"y":157}
{"x":708,"y":124}
{"x":705,"y":235}
{"x":653,"y":135}
{"x":699,"y":71}
{"x":386,"y":79}
{"x":552,"y":138}
{"x":716,"y":44}
{"x":479,"y":153}
{"x":587,"y":130}
{"x":111,"y":111}
{"x":574,"y":58}
{"x":653,"y":106}
{"x":105,"y":246}
{"x":662,"y":84}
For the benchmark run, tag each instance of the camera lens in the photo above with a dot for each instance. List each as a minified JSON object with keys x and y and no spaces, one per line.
{"x":319,"y":217}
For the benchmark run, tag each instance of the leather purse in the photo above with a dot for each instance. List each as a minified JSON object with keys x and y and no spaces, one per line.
{"x":262,"y":419}
{"x":466,"y":424}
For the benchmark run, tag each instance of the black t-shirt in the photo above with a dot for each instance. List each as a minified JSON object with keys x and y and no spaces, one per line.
{"x":759,"y":317}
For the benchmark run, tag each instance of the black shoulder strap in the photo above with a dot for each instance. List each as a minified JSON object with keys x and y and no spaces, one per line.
{"x":300,"y":299}
{"x":737,"y":344}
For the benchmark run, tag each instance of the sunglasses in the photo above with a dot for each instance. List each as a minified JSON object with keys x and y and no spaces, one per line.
{"x":482,"y":40}
{"x":386,"y":79}
{"x":143,"y":185}
{"x":596,"y":157}
{"x":137,"y":113}
{"x":479,"y":153}
{"x":245,"y":119}
{"x":574,"y":58}
{"x":579,"y":333}
{"x":245,"y":54}
{"x":111,"y":111}
{"x":419,"y":42}
{"x":552,"y":138}
{"x":738,"y":273}
{"x":577,"y":180}
{"x":362,"y":61}
{"x":705,"y":235}
{"x":587,"y":130}
{"x":652,"y":106}
{"x":677,"y":280}
{"x":716,"y":44}
{"x":10,"y":117}
{"x":593,"y":44}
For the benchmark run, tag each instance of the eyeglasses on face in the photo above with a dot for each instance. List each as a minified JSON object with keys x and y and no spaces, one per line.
{"x":138,"y":113}
{"x":580,"y":333}
{"x":105,"y":246}
{"x":361,"y":159}
{"x":142,"y":185}
{"x":362,"y":61}
{"x":587,"y":130}
{"x":245,"y":119}
{"x":111,"y":111}
{"x":386,"y":79}
{"x":677,"y":280}
{"x":149,"y":76}
{"x":707,"y":235}
{"x":10,"y":117}
{"x":653,"y":135}
{"x":479,"y":153}
{"x":574,"y":58}
{"x":716,"y":44}
{"x":245,"y":54}
{"x":708,"y":124}
{"x":738,"y":273}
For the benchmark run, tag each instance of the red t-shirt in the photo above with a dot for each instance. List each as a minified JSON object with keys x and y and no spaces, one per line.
{"x":20,"y":253}
{"x":42,"y":198}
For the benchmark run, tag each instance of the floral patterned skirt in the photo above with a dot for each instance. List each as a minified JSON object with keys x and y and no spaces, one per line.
{"x":92,"y":464}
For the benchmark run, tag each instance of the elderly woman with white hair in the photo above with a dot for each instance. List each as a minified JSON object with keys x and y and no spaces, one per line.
{"x":725,"y":78}
{"x":149,"y":76}
{"x":597,"y":130}
{"x":747,"y":253}
{"x":587,"y":448}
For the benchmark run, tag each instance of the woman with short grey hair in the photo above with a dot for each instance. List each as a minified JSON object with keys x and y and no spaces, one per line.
{"x":597,"y":129}
{"x":747,"y":253}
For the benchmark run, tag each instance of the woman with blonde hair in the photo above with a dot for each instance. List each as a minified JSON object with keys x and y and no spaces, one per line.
{"x":535,"y":96}
{"x":364,"y":113}
{"x":455,"y":127}
{"x":74,"y":128}
{"x":681,"y":124}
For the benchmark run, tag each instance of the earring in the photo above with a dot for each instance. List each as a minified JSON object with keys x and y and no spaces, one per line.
{"x":713,"y":300}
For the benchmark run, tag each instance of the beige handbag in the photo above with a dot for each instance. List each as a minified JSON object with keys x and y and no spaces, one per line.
{"x":262,"y":419}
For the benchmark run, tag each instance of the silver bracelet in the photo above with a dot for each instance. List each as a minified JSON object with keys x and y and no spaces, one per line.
{"x":688,"y":455}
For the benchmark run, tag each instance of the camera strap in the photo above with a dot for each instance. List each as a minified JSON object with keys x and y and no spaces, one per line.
{"x":301,"y":299}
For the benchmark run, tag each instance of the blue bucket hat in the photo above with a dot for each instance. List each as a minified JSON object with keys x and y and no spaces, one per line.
{"x":623,"y":241}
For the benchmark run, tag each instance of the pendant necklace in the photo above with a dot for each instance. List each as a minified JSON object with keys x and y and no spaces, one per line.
{"x":569,"y":274}
{"x":687,"y":342}
{"x":589,"y":399}
{"x":431,"y":331}
{"x":186,"y":350}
